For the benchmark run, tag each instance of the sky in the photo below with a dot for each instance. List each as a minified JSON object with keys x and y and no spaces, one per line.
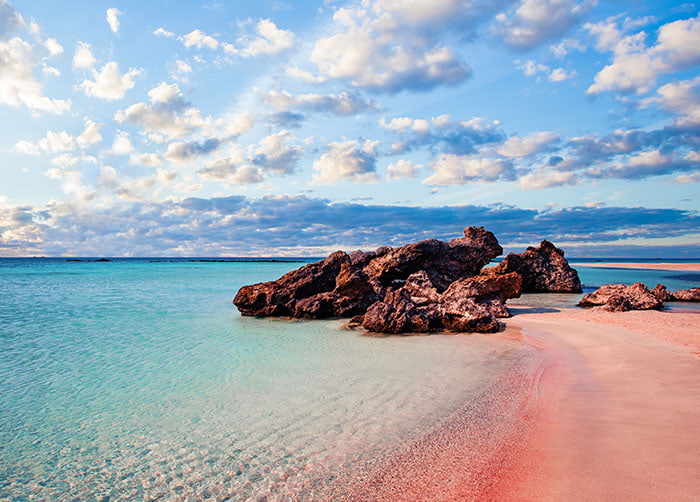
{"x":280,"y":128}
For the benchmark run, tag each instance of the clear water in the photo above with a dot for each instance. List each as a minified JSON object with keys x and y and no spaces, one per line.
{"x":139,"y":380}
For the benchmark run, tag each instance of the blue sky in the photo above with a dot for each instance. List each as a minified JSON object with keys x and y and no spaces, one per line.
{"x":296,"y":128}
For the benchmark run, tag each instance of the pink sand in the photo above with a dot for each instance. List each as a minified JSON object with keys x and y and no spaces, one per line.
{"x":610,"y":411}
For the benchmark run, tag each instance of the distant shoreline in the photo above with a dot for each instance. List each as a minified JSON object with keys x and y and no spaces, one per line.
{"x":694,"y":266}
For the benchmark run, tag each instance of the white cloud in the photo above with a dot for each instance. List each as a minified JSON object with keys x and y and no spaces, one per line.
{"x":145,"y":159}
{"x":274,"y":153}
{"x":18,"y":86}
{"x":681,"y":98}
{"x":90,"y":135}
{"x":342,"y":104}
{"x":390,"y":46}
{"x":161,"y":32}
{"x":53,"y":46}
{"x":403,"y":169}
{"x":347,"y":160}
{"x":537,"y":142}
{"x":531,"y":68}
{"x":27,"y":147}
{"x":231,"y":171}
{"x":122,"y":144}
{"x":56,"y":142}
{"x":536,"y":21}
{"x":182,"y":71}
{"x":305,"y":76}
{"x":112,"y":17}
{"x":451,"y":169}
{"x":10,"y":19}
{"x":636,"y":67}
{"x":687,"y":178}
{"x":184,"y":151}
{"x":83,"y":57}
{"x":545,"y":179}
{"x":199,"y":39}
{"x":109,"y":84}
{"x":270,"y":39}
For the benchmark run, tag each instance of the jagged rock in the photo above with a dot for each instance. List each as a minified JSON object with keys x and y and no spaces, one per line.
{"x":620,"y":298}
{"x":492,"y":291}
{"x":544,"y":270}
{"x":396,"y":313}
{"x":425,"y":286}
{"x":684,"y":295}
{"x":444,"y":262}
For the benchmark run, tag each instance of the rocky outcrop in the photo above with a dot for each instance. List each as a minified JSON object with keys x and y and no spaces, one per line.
{"x":420,"y":287}
{"x":543,"y":269}
{"x":621,"y":298}
{"x":684,"y":295}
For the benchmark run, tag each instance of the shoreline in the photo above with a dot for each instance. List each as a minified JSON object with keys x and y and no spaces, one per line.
{"x":619,"y":418}
{"x":606,"y":409}
{"x":689,"y":267}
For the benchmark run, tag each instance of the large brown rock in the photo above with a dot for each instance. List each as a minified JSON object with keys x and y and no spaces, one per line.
{"x":491,"y":291}
{"x":620,"y":298}
{"x":443,"y":262}
{"x":543,"y":269}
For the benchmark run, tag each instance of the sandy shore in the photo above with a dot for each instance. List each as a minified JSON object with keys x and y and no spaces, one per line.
{"x":650,"y":266}
{"x":607,"y":409}
{"x":619,"y":410}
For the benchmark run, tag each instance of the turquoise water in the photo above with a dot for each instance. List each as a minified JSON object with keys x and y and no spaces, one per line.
{"x":139,"y":380}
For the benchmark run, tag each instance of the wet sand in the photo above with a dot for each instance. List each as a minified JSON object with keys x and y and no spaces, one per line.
{"x":649,"y":266}
{"x":619,"y":411}
{"x":607,"y":408}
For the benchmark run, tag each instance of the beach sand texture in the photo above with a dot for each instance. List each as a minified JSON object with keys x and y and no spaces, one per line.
{"x":609,"y":412}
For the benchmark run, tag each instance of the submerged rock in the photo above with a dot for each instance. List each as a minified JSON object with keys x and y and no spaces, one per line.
{"x":420,"y":287}
{"x":543,"y":269}
{"x":621,"y":298}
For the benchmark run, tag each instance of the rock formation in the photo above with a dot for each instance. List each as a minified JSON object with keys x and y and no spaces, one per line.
{"x":420,"y":287}
{"x":543,"y":269}
{"x":620,"y":298}
{"x":684,"y":295}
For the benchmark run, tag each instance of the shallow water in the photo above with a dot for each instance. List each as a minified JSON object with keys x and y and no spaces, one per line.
{"x":136,"y":380}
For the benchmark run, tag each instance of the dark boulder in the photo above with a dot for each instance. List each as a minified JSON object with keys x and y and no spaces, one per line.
{"x":543,"y":269}
{"x":620,"y":298}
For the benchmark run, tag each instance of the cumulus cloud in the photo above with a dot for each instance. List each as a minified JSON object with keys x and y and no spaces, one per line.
{"x":108,"y":83}
{"x":198,"y":39}
{"x":275,"y":154}
{"x":403,"y":169}
{"x":184,"y":151}
{"x":53,"y":46}
{"x":83,"y":57}
{"x":169,"y":115}
{"x":635,"y":66}
{"x":536,"y":21}
{"x":269,"y":39}
{"x":230,"y":170}
{"x":443,"y":133}
{"x":347,"y":160}
{"x":112,"y":17}
{"x":305,"y":76}
{"x":451,"y":169}
{"x":10,"y":19}
{"x":62,"y":141}
{"x":91,"y":135}
{"x":681,"y":98}
{"x":340,"y":104}
{"x":388,"y":46}
{"x":18,"y":86}
{"x":122,"y":144}
{"x":531,"y":68}
{"x":546,"y":178}
{"x":162,"y":32}
{"x":534,"y":143}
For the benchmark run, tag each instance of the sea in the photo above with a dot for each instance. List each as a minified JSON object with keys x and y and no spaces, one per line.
{"x":137,"y":379}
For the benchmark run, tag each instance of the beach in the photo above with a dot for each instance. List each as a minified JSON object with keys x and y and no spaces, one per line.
{"x":618,"y":406}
